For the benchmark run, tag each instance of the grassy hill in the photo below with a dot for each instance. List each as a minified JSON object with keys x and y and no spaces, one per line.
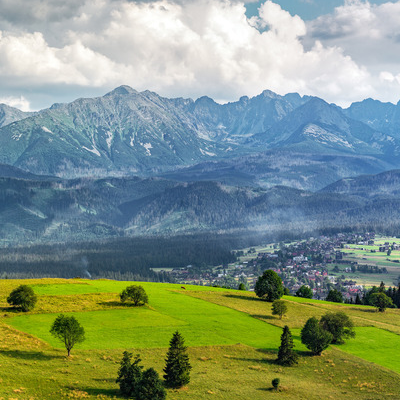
{"x":232,"y":337}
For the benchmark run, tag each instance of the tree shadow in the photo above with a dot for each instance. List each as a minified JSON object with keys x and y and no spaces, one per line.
{"x":256,"y":360}
{"x":11,"y":309}
{"x":114,"y":304}
{"x":265,"y":317}
{"x":271,"y":389}
{"x":112,"y":380}
{"x":241,"y":297}
{"x":373,"y":311}
{"x":29,"y":355}
{"x":98,"y":392}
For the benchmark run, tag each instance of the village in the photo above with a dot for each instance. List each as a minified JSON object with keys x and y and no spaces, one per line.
{"x":323,"y":263}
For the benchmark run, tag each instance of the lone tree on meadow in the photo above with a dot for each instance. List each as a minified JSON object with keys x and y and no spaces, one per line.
{"x":68,"y":330}
{"x":269,"y":286}
{"x":339,"y":325}
{"x":286,"y":355}
{"x":314,"y":337}
{"x":334,"y":296}
{"x":279,"y":307}
{"x":177,"y":367}
{"x":381,"y":301}
{"x":305,"y":292}
{"x":135,"y":294}
{"x":23,"y":297}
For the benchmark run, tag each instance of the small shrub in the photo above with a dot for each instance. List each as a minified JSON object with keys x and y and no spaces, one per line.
{"x":275,"y":383}
{"x":279,"y":307}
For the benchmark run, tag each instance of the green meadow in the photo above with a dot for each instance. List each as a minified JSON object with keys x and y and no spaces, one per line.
{"x":232,"y":336}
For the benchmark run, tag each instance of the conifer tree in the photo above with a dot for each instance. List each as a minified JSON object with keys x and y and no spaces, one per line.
{"x":177,"y":368}
{"x":286,"y":355}
{"x":129,"y":375}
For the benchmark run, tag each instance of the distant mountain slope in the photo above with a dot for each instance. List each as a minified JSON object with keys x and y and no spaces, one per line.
{"x":319,"y":127}
{"x":126,"y":133}
{"x":8,"y":115}
{"x":384,"y":117}
{"x":84,"y":209}
{"x":386,"y":184}
{"x":8,"y":171}
{"x":305,"y":171}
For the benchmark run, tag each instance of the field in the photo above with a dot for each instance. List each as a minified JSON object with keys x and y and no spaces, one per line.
{"x":232,"y":337}
{"x":363,"y":255}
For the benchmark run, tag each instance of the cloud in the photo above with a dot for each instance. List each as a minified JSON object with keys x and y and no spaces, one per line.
{"x":179,"y":48}
{"x":370,"y":33}
{"x":18,"y":102}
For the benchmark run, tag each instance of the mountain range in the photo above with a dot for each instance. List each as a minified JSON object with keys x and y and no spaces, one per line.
{"x":130,"y":133}
{"x":131,"y":163}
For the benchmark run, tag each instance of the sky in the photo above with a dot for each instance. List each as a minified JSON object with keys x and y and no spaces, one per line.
{"x":55,"y":51}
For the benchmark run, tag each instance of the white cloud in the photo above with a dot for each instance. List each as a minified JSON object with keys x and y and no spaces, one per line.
{"x":369,"y":33}
{"x":185,"y":48}
{"x":18,"y":102}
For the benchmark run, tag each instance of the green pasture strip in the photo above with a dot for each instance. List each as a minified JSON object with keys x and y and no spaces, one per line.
{"x":225,"y":373}
{"x":201,"y":323}
{"x":376,"y":345}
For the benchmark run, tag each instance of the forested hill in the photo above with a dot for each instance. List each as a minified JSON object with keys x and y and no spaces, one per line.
{"x":56,"y":210}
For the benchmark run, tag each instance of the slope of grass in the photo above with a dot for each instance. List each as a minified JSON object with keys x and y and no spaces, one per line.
{"x":213,"y":322}
{"x":202,"y":322}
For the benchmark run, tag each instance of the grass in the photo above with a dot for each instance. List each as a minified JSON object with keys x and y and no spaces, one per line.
{"x":201,"y":322}
{"x":213,"y":321}
{"x":383,"y":328}
{"x":375,"y":345}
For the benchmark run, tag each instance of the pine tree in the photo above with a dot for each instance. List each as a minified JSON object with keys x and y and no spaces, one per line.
{"x":129,"y":375}
{"x":177,"y":368}
{"x":150,"y":386}
{"x":286,"y":355}
{"x":358,"y":300}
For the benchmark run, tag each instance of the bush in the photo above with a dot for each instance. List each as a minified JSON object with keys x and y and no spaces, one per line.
{"x":339,"y":325}
{"x":334,"y":296}
{"x":305,"y":292}
{"x":177,"y":368}
{"x":275,"y":383}
{"x":269,"y":286}
{"x":279,"y":307}
{"x":134,"y":293}
{"x":134,"y":383}
{"x":242,"y":286}
{"x":24,"y":297}
{"x":129,"y":375}
{"x":381,"y":301}
{"x":150,"y":386}
{"x":314,"y":337}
